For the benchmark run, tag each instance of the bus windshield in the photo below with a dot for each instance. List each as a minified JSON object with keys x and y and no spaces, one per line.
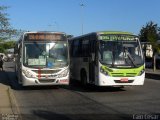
{"x":45,"y":55}
{"x":120,"y":53}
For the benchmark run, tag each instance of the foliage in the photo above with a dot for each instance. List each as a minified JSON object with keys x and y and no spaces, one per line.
{"x":6,"y":31}
{"x":150,"y":33}
{"x":6,"y":45}
{"x":2,"y":50}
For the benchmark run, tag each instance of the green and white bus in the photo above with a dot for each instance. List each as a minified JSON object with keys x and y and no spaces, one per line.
{"x":107,"y":58}
{"x":42,"y":59}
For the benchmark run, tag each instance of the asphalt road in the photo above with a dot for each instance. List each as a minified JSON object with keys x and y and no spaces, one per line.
{"x":86,"y":103}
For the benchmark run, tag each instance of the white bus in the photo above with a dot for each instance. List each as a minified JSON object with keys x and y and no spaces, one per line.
{"x":42,"y":59}
{"x":107,"y":59}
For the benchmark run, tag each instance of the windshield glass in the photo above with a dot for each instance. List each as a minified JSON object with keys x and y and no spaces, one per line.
{"x":120,"y":53}
{"x":45,"y":55}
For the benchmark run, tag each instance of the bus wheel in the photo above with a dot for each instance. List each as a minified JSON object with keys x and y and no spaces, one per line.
{"x":83,"y":78}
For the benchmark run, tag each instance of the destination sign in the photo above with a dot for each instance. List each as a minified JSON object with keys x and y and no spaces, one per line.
{"x":117,"y":37}
{"x":50,"y":37}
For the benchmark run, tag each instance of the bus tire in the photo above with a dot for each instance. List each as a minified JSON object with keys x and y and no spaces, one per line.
{"x":83,"y":78}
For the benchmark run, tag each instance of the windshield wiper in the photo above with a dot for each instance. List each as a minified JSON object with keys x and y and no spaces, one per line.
{"x":131,"y":58}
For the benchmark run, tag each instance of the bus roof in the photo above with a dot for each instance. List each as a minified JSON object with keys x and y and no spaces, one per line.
{"x":106,"y":33}
{"x":114,"y":32}
{"x":44,"y":32}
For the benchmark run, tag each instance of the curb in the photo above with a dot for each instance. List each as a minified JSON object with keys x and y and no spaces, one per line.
{"x":150,"y":74}
{"x":12,"y":100}
{"x":14,"y":108}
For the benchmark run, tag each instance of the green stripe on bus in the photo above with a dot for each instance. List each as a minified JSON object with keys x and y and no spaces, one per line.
{"x":132,"y":72}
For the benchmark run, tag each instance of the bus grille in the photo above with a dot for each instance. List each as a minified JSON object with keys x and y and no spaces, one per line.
{"x":123,"y":74}
{"x":117,"y":74}
{"x":131,"y":74}
{"x":46,"y":80}
{"x":118,"y":81}
{"x":47,"y":71}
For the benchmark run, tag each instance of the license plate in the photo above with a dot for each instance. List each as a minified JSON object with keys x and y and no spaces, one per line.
{"x":124,"y":80}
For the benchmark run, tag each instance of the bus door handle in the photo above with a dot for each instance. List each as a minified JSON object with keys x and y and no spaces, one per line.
{"x":85,"y":59}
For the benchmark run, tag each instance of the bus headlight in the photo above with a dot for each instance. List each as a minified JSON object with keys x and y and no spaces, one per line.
{"x":104,"y":71}
{"x":141,"y":72}
{"x":63,"y":73}
{"x":28,"y":74}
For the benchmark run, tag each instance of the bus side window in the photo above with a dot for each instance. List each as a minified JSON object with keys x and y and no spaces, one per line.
{"x":75,"y":48}
{"x":85,"y":47}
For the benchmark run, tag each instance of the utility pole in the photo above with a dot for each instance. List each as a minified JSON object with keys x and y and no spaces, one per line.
{"x":82,"y":18}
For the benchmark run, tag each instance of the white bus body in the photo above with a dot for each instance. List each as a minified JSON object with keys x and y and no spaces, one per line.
{"x":42,"y":59}
{"x":107,"y":59}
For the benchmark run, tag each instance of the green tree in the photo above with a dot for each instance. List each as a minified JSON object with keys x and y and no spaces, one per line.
{"x":7,"y":45}
{"x":151,"y":33}
{"x":2,"y":50}
{"x":6,"y":30}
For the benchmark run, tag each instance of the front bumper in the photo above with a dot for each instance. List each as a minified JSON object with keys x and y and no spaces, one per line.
{"x":116,"y":81}
{"x":45,"y":81}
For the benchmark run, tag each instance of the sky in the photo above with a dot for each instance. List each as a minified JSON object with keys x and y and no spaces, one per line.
{"x":68,"y":15}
